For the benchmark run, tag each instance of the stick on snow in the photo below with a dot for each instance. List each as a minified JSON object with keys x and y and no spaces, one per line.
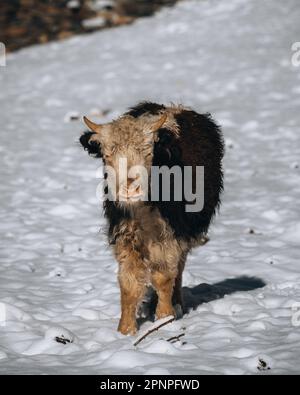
{"x":174,"y":339}
{"x":155,"y":327}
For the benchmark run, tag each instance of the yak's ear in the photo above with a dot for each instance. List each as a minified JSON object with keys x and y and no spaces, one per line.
{"x":93,"y":147}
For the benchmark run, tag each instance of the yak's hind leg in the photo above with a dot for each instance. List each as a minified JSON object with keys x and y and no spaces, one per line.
{"x":166,"y":275}
{"x":163,"y":283}
{"x":177,"y":294}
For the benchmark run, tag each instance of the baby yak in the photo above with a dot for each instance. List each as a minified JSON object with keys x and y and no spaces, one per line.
{"x":151,"y":238}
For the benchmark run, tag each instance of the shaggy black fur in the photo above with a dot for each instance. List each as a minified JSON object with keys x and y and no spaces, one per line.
{"x":115,"y":216}
{"x":200,"y":144}
{"x":145,"y":107}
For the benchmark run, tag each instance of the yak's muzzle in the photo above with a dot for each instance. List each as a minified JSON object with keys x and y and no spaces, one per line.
{"x":131,"y":191}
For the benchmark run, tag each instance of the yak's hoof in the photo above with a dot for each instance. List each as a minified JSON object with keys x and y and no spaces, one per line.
{"x":127,"y":328}
{"x":165,"y":312}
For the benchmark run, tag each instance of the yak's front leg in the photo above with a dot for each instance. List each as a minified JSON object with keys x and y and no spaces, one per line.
{"x":133,"y":287}
{"x":164,"y":286}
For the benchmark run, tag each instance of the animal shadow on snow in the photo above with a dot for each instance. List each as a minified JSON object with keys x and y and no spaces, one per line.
{"x":202,"y":293}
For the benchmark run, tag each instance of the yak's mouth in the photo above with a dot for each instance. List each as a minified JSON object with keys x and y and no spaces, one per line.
{"x":132,"y":199}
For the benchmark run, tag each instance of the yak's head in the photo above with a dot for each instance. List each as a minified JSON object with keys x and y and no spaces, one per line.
{"x":126,"y":146}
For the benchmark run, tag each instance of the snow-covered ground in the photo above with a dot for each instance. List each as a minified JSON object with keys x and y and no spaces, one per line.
{"x":57,"y":274}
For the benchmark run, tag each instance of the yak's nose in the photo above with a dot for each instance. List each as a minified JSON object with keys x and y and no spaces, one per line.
{"x":132,"y":190}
